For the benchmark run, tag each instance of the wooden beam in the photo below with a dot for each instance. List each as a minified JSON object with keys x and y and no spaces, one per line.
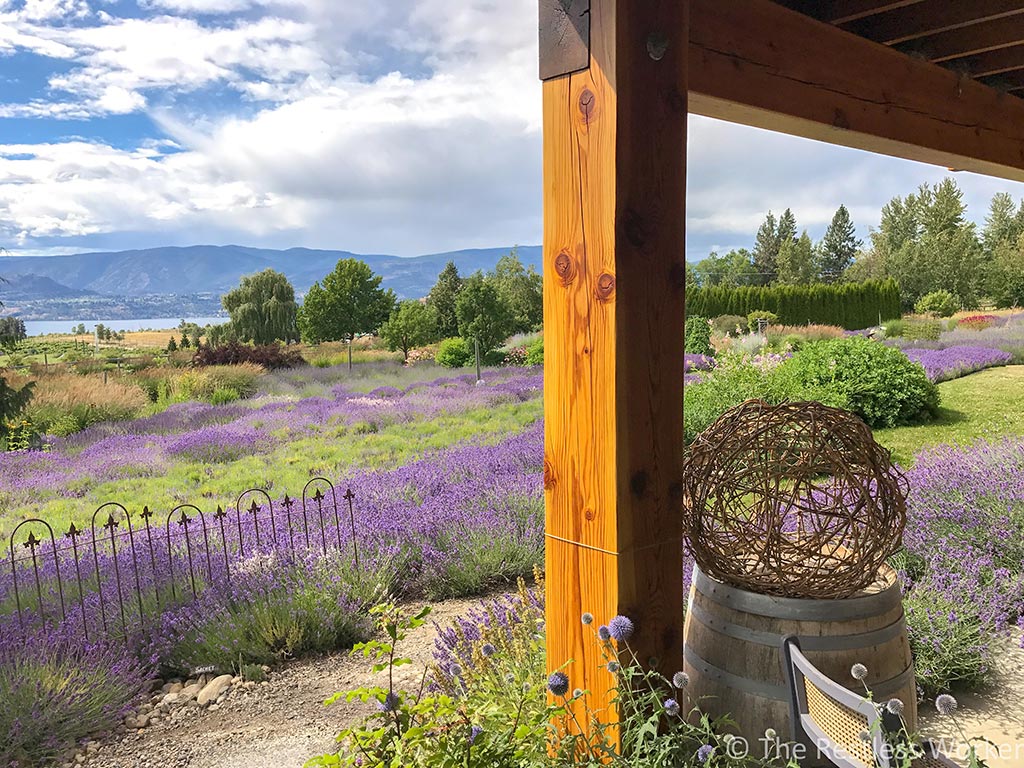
{"x":931,"y":17}
{"x":842,"y":11}
{"x":757,"y":63}
{"x":990,"y":62}
{"x":968,"y":41}
{"x":614,"y":280}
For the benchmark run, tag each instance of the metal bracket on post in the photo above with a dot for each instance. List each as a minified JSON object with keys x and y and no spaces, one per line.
{"x":564,"y":37}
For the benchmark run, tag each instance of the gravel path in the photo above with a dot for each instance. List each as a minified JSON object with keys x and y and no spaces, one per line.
{"x":279,"y":724}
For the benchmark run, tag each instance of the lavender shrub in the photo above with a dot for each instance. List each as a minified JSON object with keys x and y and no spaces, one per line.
{"x":956,"y":361}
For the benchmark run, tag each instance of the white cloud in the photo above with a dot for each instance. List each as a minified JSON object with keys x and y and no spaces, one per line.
{"x":337,"y":150}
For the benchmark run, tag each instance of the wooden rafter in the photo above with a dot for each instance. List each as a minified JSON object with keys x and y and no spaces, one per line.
{"x":842,"y":11}
{"x":758,"y":63}
{"x":991,"y":62}
{"x":931,"y":17}
{"x":968,"y":41}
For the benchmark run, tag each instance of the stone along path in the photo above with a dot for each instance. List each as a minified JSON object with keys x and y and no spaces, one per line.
{"x":277,"y":724}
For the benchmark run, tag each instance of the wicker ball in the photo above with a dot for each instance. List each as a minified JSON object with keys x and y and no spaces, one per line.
{"x":795,"y":500}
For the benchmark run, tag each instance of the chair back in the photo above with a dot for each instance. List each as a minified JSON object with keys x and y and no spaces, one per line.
{"x":829,"y":718}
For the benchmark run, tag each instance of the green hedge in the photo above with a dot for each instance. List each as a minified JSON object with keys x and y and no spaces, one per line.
{"x":850,"y":305}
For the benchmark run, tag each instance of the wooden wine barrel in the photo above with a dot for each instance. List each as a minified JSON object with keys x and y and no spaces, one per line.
{"x":733,"y":649}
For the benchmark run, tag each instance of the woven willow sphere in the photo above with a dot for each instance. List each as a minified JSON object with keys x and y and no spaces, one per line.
{"x":795,"y":500}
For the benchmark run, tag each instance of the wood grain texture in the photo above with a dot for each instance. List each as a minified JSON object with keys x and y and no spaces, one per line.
{"x":758,"y":63}
{"x":967,"y":41}
{"x":614,"y":193}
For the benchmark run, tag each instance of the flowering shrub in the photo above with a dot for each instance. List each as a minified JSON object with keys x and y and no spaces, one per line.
{"x":490,"y":704}
{"x":54,"y":691}
{"x":954,"y":362}
{"x":976,"y":322}
{"x":964,"y":560}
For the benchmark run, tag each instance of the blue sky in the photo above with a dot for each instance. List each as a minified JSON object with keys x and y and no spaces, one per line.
{"x":384,"y":126}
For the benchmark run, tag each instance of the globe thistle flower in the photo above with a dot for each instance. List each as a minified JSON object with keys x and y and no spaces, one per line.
{"x":945,"y":704}
{"x":680,"y":680}
{"x":613,"y":666}
{"x":704,"y":753}
{"x":671,"y":707}
{"x":604,"y":633}
{"x":454,"y":669}
{"x":488,"y":650}
{"x":858,"y":672}
{"x":894,"y":706}
{"x":390,"y":702}
{"x":621,"y":628}
{"x":558,"y":683}
{"x":510,"y":677}
{"x":771,"y":734}
{"x":587,"y":619}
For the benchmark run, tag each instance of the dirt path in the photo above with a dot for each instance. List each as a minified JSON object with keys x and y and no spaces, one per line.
{"x":277,"y":725}
{"x":996,"y":713}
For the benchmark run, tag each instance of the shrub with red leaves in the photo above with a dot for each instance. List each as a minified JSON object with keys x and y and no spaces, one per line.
{"x":269,"y":356}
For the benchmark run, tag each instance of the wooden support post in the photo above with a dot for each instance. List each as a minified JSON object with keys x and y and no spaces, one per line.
{"x":614,"y":280}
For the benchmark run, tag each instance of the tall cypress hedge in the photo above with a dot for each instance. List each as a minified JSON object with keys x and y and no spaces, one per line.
{"x":849,"y":305}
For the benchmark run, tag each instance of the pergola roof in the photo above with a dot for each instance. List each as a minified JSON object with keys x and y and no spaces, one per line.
{"x":980,"y":39}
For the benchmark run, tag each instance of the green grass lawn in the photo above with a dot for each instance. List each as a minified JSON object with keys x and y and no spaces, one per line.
{"x":988,"y":404}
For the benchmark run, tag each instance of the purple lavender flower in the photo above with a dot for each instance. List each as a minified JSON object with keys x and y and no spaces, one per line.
{"x":621,"y":628}
{"x":474,"y":733}
{"x":558,"y":683}
{"x":390,"y":702}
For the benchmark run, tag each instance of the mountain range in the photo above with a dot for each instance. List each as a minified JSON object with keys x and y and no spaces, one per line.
{"x":217,"y":269}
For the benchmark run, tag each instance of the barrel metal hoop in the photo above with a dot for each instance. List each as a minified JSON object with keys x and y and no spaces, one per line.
{"x":745,"y":685}
{"x":797,"y":609}
{"x":885,"y":688}
{"x":812,"y":643}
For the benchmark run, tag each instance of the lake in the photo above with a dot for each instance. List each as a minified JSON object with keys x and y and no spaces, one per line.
{"x":43,"y":327}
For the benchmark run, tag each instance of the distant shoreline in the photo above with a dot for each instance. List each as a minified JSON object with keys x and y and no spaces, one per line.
{"x":49,"y":327}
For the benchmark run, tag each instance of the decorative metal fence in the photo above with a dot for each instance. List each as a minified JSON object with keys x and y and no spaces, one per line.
{"x":110,"y":575}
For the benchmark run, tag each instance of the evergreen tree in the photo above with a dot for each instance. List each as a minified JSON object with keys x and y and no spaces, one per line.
{"x":347,"y":302}
{"x":796,"y":261}
{"x":263,"y":308}
{"x":838,"y":247}
{"x":766,"y":249}
{"x":172,"y":345}
{"x":1002,"y":225}
{"x":787,"y":228}
{"x":442,"y":298}
{"x":185,"y":341}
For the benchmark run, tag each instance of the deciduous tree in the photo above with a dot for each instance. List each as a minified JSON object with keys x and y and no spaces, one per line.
{"x":521,"y":290}
{"x":412,"y":324}
{"x":263,"y":308}
{"x":346,"y":303}
{"x":481,"y":313}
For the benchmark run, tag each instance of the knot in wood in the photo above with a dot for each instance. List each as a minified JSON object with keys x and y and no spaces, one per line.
{"x":565,"y":267}
{"x":549,"y":474}
{"x":587,"y":104}
{"x":657,"y":45}
{"x":605,"y":286}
